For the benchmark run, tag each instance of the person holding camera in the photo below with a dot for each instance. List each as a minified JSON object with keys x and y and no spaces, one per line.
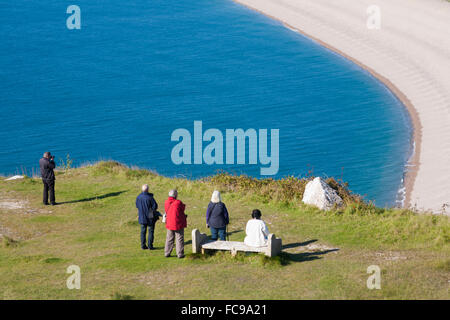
{"x":47,"y":164}
{"x":148,"y":215}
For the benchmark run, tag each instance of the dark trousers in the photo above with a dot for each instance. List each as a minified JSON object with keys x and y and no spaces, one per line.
{"x":49,"y":187}
{"x":218,"y":233}
{"x":151,"y":231}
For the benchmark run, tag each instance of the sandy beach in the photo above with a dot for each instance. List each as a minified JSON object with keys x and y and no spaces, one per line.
{"x":410,"y":53}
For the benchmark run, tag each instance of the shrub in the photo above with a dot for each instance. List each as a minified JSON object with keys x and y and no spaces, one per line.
{"x":136,"y":173}
{"x":289,"y":189}
{"x":108,"y":167}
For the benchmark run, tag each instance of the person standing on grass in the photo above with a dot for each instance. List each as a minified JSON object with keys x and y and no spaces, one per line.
{"x":47,"y":164}
{"x":175,"y":224}
{"x":256,"y":231}
{"x":217,"y":217}
{"x":148,"y":216}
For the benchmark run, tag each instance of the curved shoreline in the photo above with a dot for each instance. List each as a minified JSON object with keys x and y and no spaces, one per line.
{"x":412,"y":165}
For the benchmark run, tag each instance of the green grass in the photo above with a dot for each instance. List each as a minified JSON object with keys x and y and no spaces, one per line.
{"x":96,"y":228}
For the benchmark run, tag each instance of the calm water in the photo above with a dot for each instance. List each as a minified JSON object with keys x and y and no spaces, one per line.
{"x":138,"y":70}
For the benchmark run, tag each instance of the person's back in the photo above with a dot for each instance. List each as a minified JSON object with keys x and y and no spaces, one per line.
{"x":147,"y":206}
{"x":175,"y":217}
{"x":256,"y":231}
{"x":47,"y":167}
{"x":217,"y":217}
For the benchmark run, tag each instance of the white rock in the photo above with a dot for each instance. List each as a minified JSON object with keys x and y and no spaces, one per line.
{"x":318,"y":193}
{"x":14,"y":178}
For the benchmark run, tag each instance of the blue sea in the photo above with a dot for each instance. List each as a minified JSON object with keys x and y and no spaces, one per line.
{"x":138,"y":70}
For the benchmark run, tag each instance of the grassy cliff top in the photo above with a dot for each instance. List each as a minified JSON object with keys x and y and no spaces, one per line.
{"x":325,"y":254}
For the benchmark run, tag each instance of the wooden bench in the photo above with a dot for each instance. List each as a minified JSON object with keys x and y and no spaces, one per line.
{"x":201,"y":242}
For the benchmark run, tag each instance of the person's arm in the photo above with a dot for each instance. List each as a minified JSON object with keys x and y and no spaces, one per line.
{"x":225,"y":213}
{"x":137,"y":206}
{"x":265,"y":230}
{"x":182,"y":216}
{"x":208,"y":214}
{"x":51,"y":164}
{"x":166,"y":207}
{"x":183,"y":210}
{"x":154,"y":205}
{"x":247,"y":230}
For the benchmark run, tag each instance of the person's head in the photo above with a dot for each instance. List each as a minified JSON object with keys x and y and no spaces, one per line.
{"x":215,"y":198}
{"x":47,"y":155}
{"x":256,"y":214}
{"x":173,"y":193}
{"x":145,"y":188}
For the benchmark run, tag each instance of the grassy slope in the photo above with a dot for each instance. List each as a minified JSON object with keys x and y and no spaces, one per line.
{"x":97,"y":230}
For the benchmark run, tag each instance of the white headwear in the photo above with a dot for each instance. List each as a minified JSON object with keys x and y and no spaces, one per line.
{"x":215,"y":198}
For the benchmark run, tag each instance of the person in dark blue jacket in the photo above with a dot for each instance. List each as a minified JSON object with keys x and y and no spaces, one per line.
{"x":217,"y":217}
{"x":148,"y":216}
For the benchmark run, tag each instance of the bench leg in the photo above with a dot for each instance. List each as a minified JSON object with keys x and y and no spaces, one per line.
{"x":203,"y":251}
{"x":274,"y":246}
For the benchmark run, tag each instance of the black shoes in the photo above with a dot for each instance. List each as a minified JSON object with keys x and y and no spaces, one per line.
{"x":144,"y":248}
{"x":151,"y":248}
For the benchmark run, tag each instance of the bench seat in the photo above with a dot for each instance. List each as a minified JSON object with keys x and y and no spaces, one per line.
{"x":201,"y":242}
{"x":232,"y":245}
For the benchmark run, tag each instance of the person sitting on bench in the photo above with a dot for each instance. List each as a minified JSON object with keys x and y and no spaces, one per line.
{"x":256,"y":230}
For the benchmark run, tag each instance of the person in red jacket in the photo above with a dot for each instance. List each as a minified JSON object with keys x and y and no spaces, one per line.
{"x":175,"y":224}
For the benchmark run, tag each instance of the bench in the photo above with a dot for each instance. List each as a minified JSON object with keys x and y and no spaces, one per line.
{"x":201,"y":242}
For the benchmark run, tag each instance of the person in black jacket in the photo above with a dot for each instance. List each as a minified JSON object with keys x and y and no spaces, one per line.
{"x":148,"y":216}
{"x":47,"y":164}
{"x":217,"y":217}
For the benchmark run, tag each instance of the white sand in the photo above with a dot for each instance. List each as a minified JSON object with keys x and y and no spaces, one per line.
{"x":410,"y":53}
